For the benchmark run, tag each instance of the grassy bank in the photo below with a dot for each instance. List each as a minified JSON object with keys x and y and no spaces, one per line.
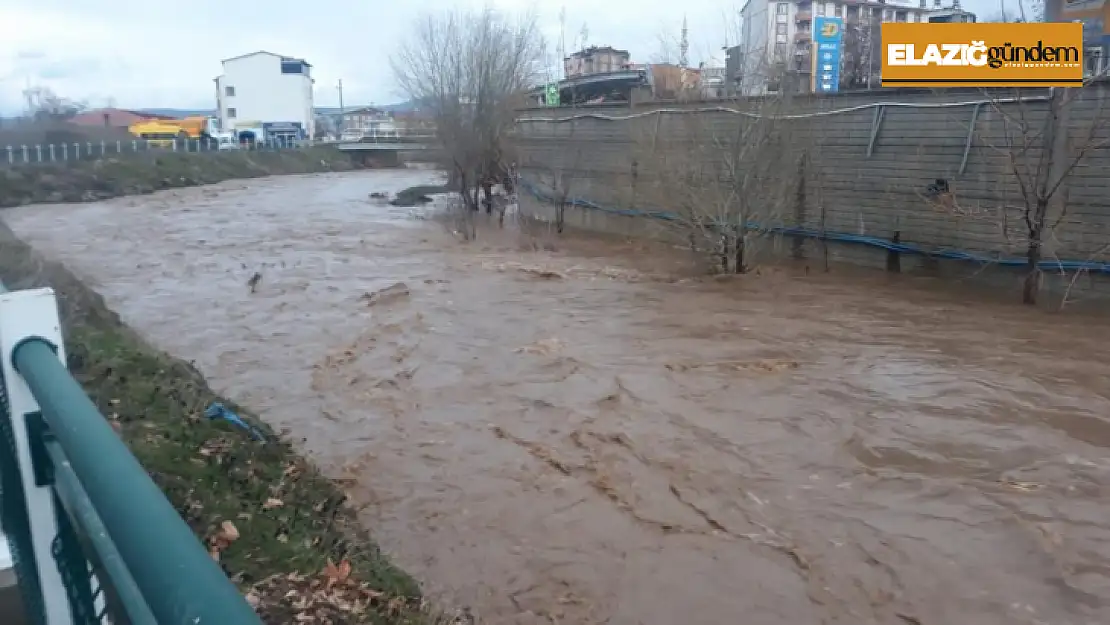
{"x":146,"y":172}
{"x":290,"y":520}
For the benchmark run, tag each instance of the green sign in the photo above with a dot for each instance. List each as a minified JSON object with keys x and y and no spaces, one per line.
{"x":552,"y":95}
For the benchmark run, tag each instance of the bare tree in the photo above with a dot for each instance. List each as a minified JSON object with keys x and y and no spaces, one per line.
{"x":471,"y":69}
{"x":42,"y":104}
{"x":1044,"y":142}
{"x":666,"y":48}
{"x":721,"y":177}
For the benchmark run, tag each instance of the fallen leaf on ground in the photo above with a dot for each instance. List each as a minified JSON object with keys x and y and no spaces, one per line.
{"x":229,"y":532}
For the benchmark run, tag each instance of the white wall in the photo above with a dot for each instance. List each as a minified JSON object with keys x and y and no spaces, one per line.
{"x":264,"y":94}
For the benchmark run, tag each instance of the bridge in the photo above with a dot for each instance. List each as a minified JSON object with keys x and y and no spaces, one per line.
{"x":93,"y":539}
{"x":389,"y":142}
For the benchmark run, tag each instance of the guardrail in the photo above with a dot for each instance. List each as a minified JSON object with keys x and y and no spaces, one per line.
{"x":393,"y":136}
{"x":93,"y":539}
{"x":92,"y":150}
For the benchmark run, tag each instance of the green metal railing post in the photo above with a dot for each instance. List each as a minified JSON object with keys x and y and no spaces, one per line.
{"x":179,"y":580}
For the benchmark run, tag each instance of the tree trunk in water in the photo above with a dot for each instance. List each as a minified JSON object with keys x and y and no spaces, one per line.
{"x":560,"y":215}
{"x":464,"y":190}
{"x":487,"y":191}
{"x":740,"y":245}
{"x":1032,"y":285}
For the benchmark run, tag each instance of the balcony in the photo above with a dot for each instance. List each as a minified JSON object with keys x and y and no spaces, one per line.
{"x":803,"y":16}
{"x":801,"y":35}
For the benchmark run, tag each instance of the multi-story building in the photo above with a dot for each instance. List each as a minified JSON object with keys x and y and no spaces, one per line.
{"x":595,"y":60}
{"x":777,"y":38}
{"x":713,"y":78}
{"x":268,"y":92}
{"x":366,"y":119}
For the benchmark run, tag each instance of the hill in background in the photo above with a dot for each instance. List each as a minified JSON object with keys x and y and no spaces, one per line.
{"x":399,"y":107}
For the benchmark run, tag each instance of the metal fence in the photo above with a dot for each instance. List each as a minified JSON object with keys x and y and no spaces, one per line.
{"x":91,"y":150}
{"x":93,"y":539}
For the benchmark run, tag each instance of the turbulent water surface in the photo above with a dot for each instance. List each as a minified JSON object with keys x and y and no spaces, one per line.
{"x":558,"y":437}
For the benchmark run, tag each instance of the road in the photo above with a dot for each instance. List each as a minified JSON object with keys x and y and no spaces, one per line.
{"x":587,"y":435}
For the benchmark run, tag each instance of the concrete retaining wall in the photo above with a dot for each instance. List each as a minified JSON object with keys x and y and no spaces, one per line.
{"x":858,"y":164}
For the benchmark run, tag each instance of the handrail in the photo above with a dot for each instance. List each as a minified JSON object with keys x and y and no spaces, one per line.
{"x":140,"y":542}
{"x":182,"y":584}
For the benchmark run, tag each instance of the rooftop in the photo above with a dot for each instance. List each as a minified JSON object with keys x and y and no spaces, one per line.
{"x":280,"y":56}
{"x":596,"y":49}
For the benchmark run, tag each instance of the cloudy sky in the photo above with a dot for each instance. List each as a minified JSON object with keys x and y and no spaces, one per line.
{"x":144,"y":53}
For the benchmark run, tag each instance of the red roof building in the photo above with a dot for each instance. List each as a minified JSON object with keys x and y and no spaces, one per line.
{"x":113,"y":118}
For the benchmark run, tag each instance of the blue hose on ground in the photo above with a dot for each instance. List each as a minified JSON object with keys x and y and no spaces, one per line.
{"x":842,"y":237}
{"x":219,"y":411}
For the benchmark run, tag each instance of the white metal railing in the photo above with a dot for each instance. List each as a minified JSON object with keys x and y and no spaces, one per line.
{"x":91,"y":150}
{"x":385,"y":135}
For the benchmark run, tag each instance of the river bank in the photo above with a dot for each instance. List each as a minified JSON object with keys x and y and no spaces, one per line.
{"x":299,"y":548}
{"x":147,"y":172}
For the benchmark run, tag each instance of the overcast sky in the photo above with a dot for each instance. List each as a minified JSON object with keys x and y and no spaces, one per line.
{"x":143,"y":53}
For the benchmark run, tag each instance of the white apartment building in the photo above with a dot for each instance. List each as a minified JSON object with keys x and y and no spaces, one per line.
{"x":266,"y":91}
{"x":776,"y":36}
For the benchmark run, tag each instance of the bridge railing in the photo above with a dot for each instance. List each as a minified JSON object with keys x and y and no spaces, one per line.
{"x":400,"y":135}
{"x":93,"y":539}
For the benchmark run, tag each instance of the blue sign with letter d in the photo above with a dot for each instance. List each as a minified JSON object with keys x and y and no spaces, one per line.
{"x":828,"y":44}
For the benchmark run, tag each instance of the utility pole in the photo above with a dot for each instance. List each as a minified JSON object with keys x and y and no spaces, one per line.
{"x":563,"y":40}
{"x":340,"y":124}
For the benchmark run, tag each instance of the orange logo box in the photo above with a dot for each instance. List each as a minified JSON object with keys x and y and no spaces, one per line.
{"x":982,"y":55}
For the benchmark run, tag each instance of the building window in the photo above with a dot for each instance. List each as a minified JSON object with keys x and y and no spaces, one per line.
{"x":782,"y":8}
{"x":229,"y":91}
{"x":292,"y":67}
{"x":900,"y":16}
{"x":780,"y":39}
{"x":820,"y":8}
{"x":780,"y":29}
{"x":231,"y":113}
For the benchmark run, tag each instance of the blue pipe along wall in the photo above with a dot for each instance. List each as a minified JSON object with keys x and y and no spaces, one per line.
{"x":841,"y":237}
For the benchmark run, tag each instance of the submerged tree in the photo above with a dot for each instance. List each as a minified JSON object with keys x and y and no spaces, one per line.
{"x":471,"y":70}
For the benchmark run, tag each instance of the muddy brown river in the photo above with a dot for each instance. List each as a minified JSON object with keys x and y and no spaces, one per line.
{"x":569,"y":436}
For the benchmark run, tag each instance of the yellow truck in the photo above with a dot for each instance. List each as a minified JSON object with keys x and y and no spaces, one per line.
{"x":162,"y":133}
{"x":158,"y":133}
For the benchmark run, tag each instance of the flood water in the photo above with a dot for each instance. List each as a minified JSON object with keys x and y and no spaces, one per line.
{"x":556,"y":437}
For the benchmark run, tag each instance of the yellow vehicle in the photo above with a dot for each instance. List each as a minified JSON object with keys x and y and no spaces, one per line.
{"x":195,"y":127}
{"x":158,"y":133}
{"x":162,"y":133}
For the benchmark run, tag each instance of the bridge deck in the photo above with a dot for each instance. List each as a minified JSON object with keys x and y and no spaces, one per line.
{"x":387,"y":144}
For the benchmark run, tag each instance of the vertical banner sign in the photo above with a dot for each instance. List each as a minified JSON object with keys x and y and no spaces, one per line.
{"x":828,"y":45}
{"x":551,"y":97}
